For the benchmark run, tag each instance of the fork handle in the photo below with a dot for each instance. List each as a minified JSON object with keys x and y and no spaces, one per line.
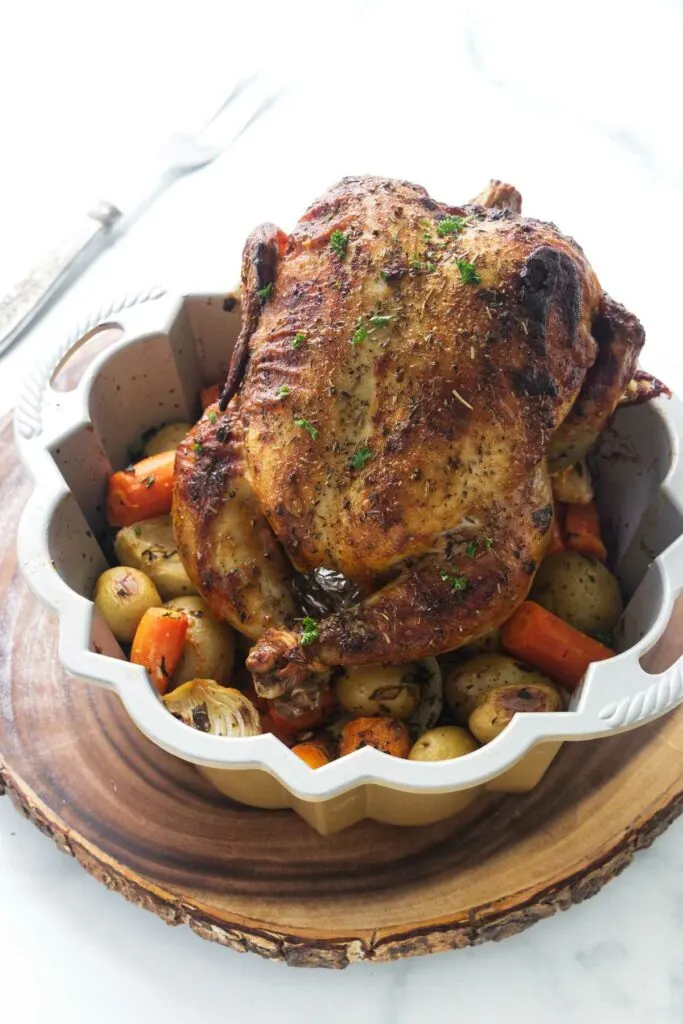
{"x":22,"y":304}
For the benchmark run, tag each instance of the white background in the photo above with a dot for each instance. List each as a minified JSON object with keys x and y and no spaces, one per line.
{"x":579,"y":105}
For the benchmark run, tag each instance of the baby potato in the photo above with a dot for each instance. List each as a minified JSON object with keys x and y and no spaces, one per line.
{"x":383,"y":690}
{"x":443,"y":744}
{"x":150,"y":546}
{"x":387,"y":734}
{"x":167,"y":438}
{"x":122,"y":596}
{"x":579,"y":590}
{"x":497,"y":708}
{"x":469,"y":681}
{"x":209,"y":649}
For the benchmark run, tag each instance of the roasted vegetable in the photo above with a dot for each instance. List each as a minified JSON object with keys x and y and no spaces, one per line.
{"x":387,"y":734}
{"x":582,"y":531}
{"x":141,"y":491}
{"x":150,"y":546}
{"x":390,"y":691}
{"x":551,"y":645}
{"x":443,"y":744}
{"x":315,"y":753}
{"x":167,"y":438}
{"x":287,"y":720}
{"x":122,"y":596}
{"x":209,"y":648}
{"x":219,"y":710}
{"x":468,"y":682}
{"x":497,"y":708}
{"x":580,"y":590}
{"x":158,"y":644}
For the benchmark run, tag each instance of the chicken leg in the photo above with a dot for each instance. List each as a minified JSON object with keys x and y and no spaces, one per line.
{"x":470,"y":583}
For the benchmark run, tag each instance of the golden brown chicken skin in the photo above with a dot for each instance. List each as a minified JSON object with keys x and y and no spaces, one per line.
{"x":407,"y":374}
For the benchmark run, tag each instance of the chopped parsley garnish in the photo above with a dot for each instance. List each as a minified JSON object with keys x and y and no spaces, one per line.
{"x":299,"y":339}
{"x":212,"y":416}
{"x":359,"y":335}
{"x":284,"y":390}
{"x":468,"y":272}
{"x":450,"y":226}
{"x":338,"y":243}
{"x":381,"y":321}
{"x":137,"y":530}
{"x":384,"y":274}
{"x":309,"y":631}
{"x":361,"y":457}
{"x":149,"y":481}
{"x":418,"y":267}
{"x":472,"y":549}
{"x":306,"y":425}
{"x":197,"y":446}
{"x":604,"y":636}
{"x":265,"y":293}
{"x":457,"y":582}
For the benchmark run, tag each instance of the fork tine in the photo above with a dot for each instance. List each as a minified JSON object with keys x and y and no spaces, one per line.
{"x":249,"y":101}
{"x":263,"y":106}
{"x":240,"y":86}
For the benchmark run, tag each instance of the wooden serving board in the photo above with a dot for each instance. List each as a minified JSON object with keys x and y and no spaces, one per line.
{"x":149,"y":827}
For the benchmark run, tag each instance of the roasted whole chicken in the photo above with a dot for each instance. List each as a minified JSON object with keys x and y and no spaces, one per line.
{"x":408,"y":377}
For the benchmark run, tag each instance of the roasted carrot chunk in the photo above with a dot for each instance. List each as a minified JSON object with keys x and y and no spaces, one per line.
{"x":158,"y":644}
{"x":538,"y":637}
{"x":582,"y":531}
{"x":387,"y":734}
{"x":314,"y":753}
{"x":142,"y":491}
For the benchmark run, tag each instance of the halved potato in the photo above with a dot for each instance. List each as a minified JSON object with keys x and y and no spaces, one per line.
{"x":497,"y":708}
{"x":412,"y":692}
{"x":150,"y":546}
{"x":209,"y":649}
{"x":468,"y":682}
{"x":387,"y":691}
{"x":167,"y":438}
{"x":580,"y":590}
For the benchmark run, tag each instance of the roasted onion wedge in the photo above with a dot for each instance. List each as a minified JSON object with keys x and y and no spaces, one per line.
{"x":220,"y":710}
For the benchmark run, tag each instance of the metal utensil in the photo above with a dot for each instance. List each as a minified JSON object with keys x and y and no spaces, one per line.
{"x":181,"y":155}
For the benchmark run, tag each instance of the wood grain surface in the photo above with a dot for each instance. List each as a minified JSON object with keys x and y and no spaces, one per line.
{"x":149,"y":827}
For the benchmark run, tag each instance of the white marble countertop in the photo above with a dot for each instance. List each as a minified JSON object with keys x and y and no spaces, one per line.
{"x":578,"y":105}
